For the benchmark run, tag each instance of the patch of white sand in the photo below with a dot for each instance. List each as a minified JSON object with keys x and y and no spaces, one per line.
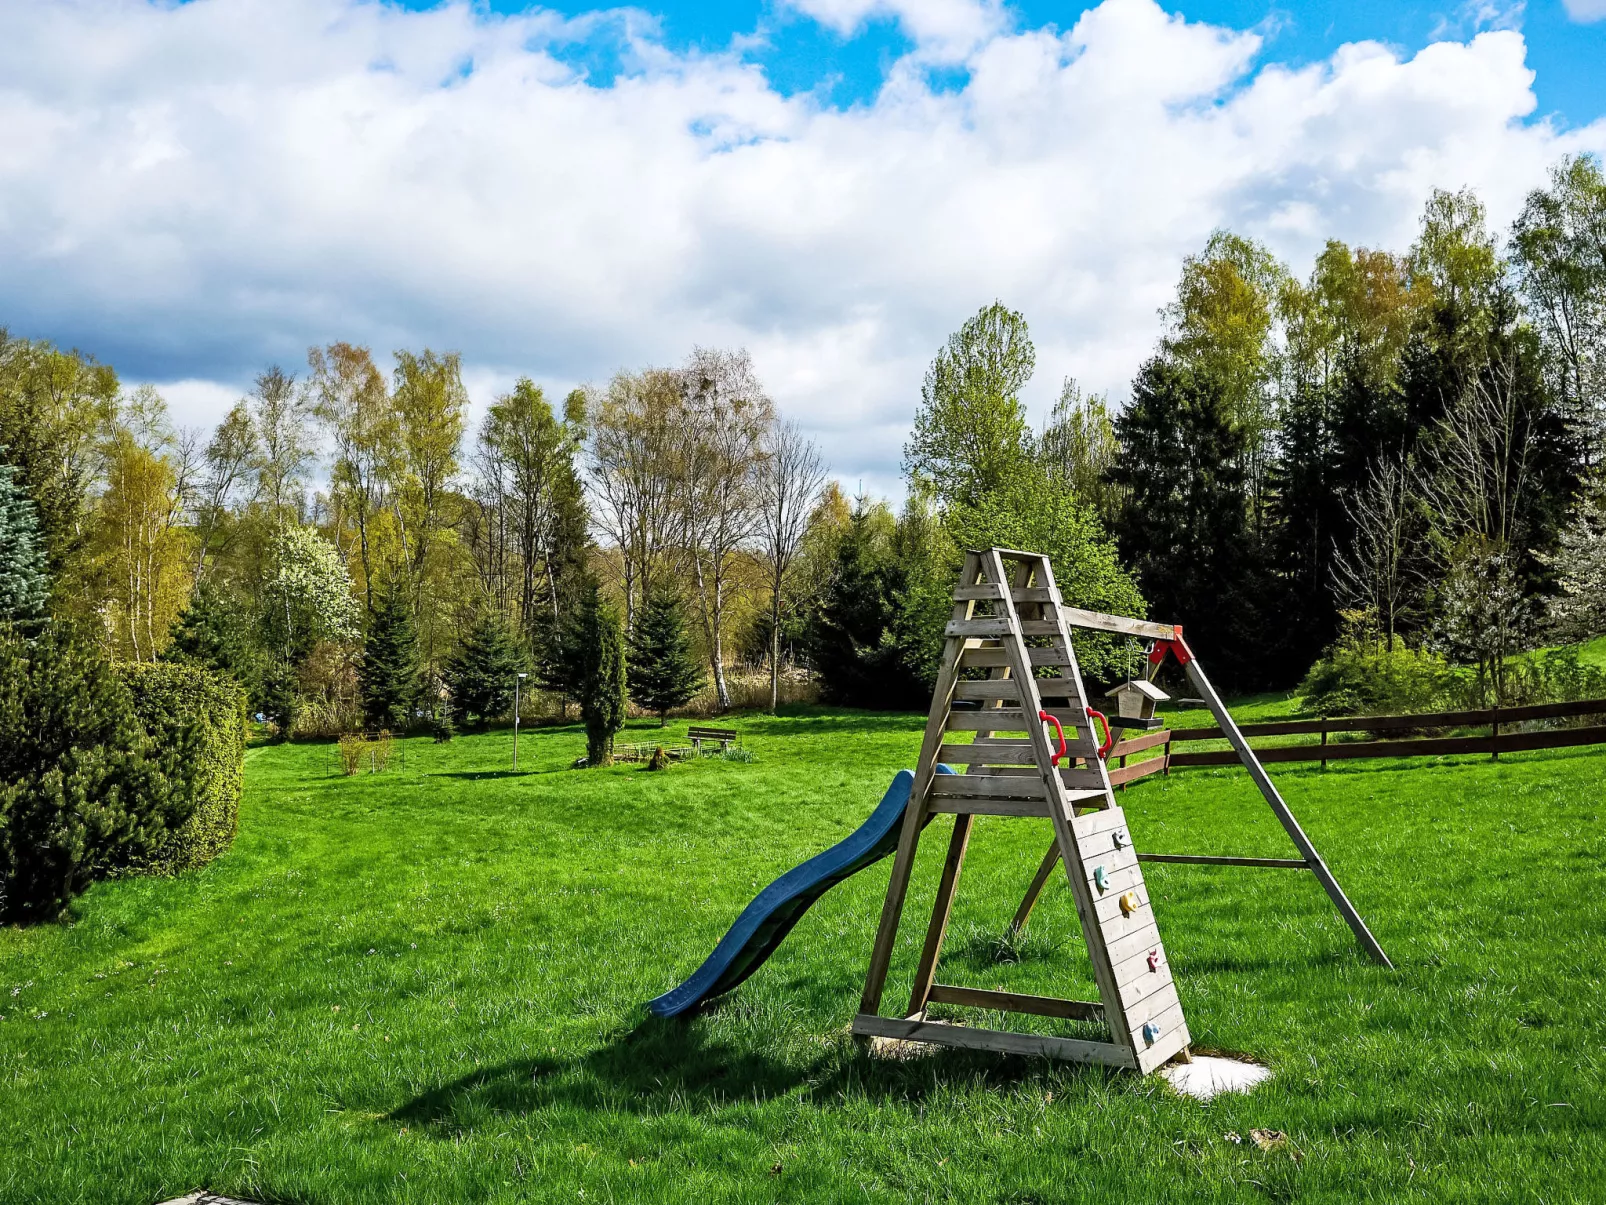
{"x":1206,"y":1076}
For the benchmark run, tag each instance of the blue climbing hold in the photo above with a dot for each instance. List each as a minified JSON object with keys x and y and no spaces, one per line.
{"x":1151,"y":1031}
{"x":1101,"y":878}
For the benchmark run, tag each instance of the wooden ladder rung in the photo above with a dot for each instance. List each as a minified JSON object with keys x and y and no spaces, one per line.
{"x":1029,"y":1044}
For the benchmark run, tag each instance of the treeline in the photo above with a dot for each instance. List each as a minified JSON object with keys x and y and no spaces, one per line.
{"x":1402,"y":449}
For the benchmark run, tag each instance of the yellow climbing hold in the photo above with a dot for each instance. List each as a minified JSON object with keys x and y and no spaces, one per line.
{"x":1129,"y":903}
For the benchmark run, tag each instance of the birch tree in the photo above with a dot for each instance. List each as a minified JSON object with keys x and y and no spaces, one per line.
{"x":791,"y":480}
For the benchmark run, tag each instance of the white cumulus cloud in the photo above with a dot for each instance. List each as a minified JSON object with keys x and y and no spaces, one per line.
{"x":196,"y":190}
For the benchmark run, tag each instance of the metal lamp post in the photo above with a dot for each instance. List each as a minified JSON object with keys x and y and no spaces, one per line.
{"x":516,"y":683}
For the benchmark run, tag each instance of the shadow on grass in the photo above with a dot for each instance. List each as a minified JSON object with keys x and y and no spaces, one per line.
{"x":478,"y":774}
{"x":672,"y":1066}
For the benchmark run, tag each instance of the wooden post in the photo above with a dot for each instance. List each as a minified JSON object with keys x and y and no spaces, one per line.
{"x":914,"y":817}
{"x":1494,"y":734}
{"x":1324,"y":740}
{"x":941,"y":908}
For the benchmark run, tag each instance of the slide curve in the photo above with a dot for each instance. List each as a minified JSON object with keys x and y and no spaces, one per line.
{"x":764,"y":923}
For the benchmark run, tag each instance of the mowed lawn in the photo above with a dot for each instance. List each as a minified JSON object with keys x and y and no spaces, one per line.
{"x":428,"y":985}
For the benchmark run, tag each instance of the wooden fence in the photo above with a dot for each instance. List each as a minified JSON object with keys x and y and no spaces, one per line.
{"x":1498,"y":720}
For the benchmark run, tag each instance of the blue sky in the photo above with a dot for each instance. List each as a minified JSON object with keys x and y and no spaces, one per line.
{"x":1568,"y":56}
{"x":195,"y":191}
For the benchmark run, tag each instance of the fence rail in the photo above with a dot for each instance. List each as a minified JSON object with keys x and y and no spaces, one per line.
{"x":1494,"y":744}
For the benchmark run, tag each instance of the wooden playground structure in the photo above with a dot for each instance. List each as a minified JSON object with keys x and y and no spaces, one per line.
{"x":1010,"y":623}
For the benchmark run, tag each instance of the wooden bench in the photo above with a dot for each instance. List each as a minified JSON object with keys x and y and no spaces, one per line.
{"x":723,"y":737}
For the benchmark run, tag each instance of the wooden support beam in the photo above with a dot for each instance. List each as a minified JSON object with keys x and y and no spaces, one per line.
{"x":1285,"y":817}
{"x":1028,"y":1044}
{"x":941,"y":908}
{"x":1014,"y":1002}
{"x":1213,"y":860}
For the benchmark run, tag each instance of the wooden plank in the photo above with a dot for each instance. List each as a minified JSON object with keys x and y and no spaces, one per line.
{"x":1213,"y":860}
{"x":1137,"y":965}
{"x":988,"y":658}
{"x":1138,"y":744}
{"x":1108,"y":821}
{"x":963,"y":1036}
{"x":1285,"y":816}
{"x":1014,"y":1002}
{"x":1173,"y":1040}
{"x":1139,"y":940}
{"x":981,"y":592}
{"x":993,"y":627}
{"x":987,"y":786}
{"x":941,"y":907}
{"x":1120,"y":624}
{"x":988,"y":753}
{"x":994,"y":688}
{"x":972,"y":806}
{"x":1011,"y":719}
{"x":1122,"y":775}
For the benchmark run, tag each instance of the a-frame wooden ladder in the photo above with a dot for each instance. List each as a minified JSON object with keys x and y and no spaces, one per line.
{"x":1009,"y":618}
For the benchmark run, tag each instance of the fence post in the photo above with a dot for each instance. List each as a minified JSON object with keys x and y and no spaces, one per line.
{"x":1494,"y":734}
{"x":1166,"y":773}
{"x":1324,"y":742}
{"x":1123,"y":766}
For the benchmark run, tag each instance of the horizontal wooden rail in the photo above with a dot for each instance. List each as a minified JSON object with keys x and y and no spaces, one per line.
{"x":1387,"y":723}
{"x":1014,"y":1002}
{"x":1221,"y":860}
{"x":1515,"y":742}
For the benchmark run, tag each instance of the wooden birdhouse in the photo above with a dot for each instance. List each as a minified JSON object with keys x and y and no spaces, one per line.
{"x":1135,"y":700}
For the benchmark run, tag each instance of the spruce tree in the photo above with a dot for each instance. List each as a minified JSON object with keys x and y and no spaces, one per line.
{"x":663,"y":671}
{"x":482,"y":670}
{"x":213,"y":631}
{"x":389,"y":671}
{"x":599,"y":649}
{"x":24,"y":584}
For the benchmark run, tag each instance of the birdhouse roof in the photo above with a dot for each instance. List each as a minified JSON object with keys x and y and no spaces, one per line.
{"x":1143,"y":687}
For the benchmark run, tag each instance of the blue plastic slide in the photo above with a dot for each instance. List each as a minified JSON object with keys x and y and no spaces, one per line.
{"x":764,"y":923}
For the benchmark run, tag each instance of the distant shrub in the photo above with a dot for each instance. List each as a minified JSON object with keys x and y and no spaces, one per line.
{"x":353,"y":747}
{"x":1552,"y":676}
{"x":204,"y":711}
{"x":84,"y":792}
{"x":1360,"y":676}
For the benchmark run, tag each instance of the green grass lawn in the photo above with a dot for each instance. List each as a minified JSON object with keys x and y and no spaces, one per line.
{"x":428,"y":985}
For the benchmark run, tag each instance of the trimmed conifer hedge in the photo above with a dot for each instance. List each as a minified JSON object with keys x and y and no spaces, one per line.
{"x":173,"y":700}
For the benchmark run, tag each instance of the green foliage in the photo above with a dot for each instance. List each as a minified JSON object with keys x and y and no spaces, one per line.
{"x":389,"y":671}
{"x":186,"y":706}
{"x":663,"y":670}
{"x":1184,"y":526}
{"x":852,"y":643}
{"x":216,"y":632}
{"x":1031,"y":510}
{"x":84,"y":792}
{"x":24,"y":585}
{"x":1361,"y":675}
{"x":970,"y":429}
{"x":600,"y":645}
{"x":483,"y":670}
{"x":308,"y":595}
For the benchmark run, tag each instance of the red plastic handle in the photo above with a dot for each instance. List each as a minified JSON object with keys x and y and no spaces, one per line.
{"x":1058,"y":731}
{"x":1109,"y":737}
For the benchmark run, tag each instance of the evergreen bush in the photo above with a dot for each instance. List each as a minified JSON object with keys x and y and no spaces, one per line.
{"x":481,"y":672}
{"x":24,"y":584}
{"x":663,"y":671}
{"x":600,"y":647}
{"x":203,"y":711}
{"x":389,"y":670}
{"x":84,"y":792}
